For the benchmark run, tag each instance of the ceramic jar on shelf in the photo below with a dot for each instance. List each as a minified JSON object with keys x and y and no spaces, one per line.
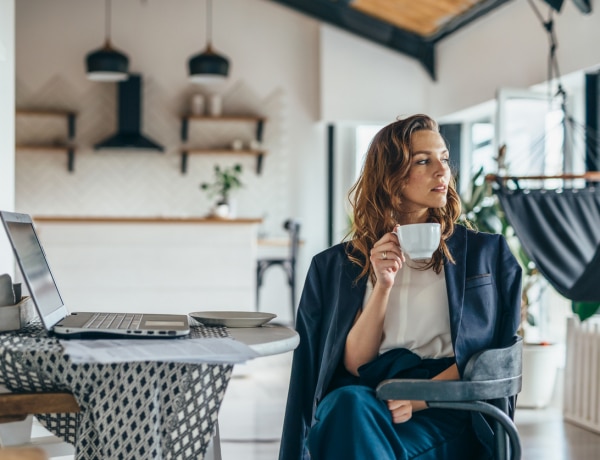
{"x":198,"y":104}
{"x":215,"y":105}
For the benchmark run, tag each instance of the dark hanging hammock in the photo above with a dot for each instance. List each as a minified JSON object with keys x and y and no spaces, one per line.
{"x":560,"y":232}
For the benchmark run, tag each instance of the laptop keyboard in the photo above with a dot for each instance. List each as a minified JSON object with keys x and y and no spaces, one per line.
{"x":114,"y":321}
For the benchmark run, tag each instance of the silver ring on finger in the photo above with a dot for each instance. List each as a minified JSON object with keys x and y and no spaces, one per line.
{"x":384,"y":255}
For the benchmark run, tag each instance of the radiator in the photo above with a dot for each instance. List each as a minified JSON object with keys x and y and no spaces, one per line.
{"x":581,"y":404}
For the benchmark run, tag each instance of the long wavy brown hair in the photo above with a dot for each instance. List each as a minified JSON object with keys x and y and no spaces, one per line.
{"x":376,"y":197}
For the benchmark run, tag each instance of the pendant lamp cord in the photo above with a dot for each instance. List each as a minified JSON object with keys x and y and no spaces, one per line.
{"x":553,"y":70}
{"x":554,"y":73}
{"x":209,"y":23}
{"x":107,"y":21}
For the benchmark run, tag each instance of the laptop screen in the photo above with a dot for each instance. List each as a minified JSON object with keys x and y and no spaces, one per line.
{"x":35,"y":269}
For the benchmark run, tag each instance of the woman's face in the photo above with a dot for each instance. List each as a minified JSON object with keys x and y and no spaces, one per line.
{"x":428,"y":177}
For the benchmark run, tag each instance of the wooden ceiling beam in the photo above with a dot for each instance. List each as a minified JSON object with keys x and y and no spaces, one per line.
{"x":424,"y":17}
{"x":477,"y":11}
{"x":339,"y":14}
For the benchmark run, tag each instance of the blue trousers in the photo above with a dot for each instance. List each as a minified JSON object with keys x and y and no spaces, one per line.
{"x":353,"y":424}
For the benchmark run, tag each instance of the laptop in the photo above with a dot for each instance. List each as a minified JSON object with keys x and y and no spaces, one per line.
{"x":50,"y":306}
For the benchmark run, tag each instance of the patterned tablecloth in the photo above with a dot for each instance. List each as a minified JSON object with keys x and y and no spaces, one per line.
{"x":146,"y":410}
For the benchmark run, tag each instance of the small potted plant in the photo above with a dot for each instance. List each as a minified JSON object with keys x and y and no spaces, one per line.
{"x":226,"y":180}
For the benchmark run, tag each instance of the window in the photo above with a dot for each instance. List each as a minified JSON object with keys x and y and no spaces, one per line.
{"x":532,"y":127}
{"x":482,"y":151}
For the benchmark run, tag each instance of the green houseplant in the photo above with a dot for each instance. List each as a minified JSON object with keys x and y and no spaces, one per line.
{"x":226,"y":180}
{"x":586,"y":310}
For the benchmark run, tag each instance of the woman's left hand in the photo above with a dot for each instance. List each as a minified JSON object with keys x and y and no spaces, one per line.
{"x":401,"y":410}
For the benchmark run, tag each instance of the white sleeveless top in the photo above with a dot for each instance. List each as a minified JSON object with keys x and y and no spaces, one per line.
{"x":417,"y":316}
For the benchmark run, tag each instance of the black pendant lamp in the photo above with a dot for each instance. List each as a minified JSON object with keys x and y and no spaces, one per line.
{"x":208,"y":67}
{"x":106,"y":63}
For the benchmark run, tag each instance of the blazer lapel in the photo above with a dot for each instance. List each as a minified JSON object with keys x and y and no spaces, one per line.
{"x":455,"y":278}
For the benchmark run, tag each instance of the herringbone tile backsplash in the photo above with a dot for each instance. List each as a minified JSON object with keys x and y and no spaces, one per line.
{"x":134,"y":183}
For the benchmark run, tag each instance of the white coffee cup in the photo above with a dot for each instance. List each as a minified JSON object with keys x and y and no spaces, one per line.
{"x":419,"y":241}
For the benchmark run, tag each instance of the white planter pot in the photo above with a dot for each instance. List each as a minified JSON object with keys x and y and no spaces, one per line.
{"x":540,"y":363}
{"x":222,"y":210}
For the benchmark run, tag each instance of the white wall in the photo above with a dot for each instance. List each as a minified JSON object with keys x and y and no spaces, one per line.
{"x":361,"y":80}
{"x":7,"y":140}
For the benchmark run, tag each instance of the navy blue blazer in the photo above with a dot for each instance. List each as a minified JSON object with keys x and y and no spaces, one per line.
{"x":484,"y":299}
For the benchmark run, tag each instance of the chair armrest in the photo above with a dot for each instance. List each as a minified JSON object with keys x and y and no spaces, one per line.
{"x":461,"y":395}
{"x":448,"y":390}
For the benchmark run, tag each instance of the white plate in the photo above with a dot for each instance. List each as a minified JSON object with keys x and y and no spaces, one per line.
{"x":232,"y":318}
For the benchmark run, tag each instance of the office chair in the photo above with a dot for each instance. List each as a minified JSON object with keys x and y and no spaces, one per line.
{"x":490,"y":378}
{"x":288,"y":264}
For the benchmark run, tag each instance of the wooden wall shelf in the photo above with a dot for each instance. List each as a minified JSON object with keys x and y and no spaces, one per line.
{"x":259,"y":154}
{"x":186,"y":151}
{"x":68,"y":147}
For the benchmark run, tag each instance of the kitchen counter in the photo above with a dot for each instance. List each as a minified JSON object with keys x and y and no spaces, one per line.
{"x":152,"y":264}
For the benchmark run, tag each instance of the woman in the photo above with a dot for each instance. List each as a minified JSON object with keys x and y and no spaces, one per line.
{"x":368,"y":313}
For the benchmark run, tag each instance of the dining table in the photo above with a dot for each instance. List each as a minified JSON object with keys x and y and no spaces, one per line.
{"x":144,"y":409}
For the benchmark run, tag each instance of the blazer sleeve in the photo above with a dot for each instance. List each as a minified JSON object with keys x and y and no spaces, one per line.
{"x":304,"y":373}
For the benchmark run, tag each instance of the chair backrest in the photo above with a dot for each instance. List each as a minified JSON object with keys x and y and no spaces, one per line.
{"x":293,"y":228}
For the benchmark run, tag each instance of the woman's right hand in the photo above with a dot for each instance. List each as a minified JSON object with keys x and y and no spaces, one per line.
{"x":364,"y":338}
{"x":387,"y":258}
